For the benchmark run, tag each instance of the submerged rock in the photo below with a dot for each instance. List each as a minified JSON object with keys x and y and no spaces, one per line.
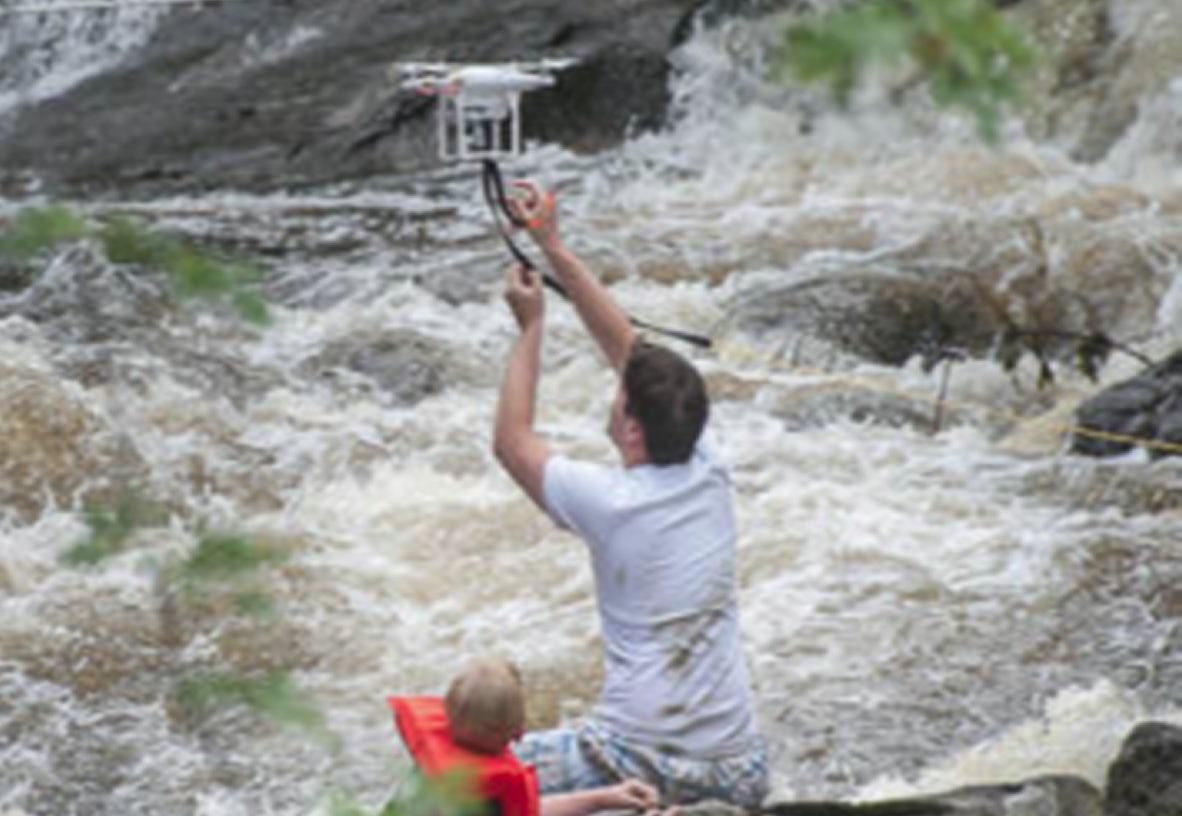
{"x":814,"y":405}
{"x":405,"y":366}
{"x":56,"y":448}
{"x":878,"y":314}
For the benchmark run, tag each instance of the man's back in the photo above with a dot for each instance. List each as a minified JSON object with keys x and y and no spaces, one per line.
{"x":662,"y":542}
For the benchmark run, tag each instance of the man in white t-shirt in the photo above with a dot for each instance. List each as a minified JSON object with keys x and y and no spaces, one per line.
{"x":676,"y":707}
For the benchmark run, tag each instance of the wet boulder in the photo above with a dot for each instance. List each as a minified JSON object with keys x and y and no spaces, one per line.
{"x":976,"y":285}
{"x":1146,"y":407}
{"x":1146,"y":778}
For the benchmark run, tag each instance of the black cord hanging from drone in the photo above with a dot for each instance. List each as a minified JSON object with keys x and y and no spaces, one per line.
{"x":479,"y":117}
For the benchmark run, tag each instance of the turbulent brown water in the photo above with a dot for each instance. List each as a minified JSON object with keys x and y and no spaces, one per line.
{"x":919,"y":610}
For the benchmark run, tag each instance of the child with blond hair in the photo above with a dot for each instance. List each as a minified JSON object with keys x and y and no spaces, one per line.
{"x":472,"y":727}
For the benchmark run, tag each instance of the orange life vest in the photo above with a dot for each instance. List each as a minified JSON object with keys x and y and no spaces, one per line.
{"x":422,"y":722}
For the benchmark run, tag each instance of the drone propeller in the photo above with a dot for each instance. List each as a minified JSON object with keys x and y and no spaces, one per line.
{"x":478,"y":104}
{"x":553,"y":65}
{"x":412,"y":71}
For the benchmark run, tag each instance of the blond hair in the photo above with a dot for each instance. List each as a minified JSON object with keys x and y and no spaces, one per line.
{"x":486,"y":706}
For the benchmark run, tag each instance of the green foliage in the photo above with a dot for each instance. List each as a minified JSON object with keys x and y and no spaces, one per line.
{"x":250,"y":307}
{"x":454,"y":793}
{"x":125,"y":243}
{"x":228,"y":564}
{"x":449,"y":795}
{"x":965,"y":51}
{"x":110,"y":530}
{"x":222,"y":562}
{"x":223,"y":557}
{"x":194,"y":274}
{"x":254,"y":603}
{"x":273,"y":696}
{"x":35,"y":230}
{"x":338,"y":803}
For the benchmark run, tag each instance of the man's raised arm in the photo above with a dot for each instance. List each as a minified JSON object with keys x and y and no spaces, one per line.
{"x":600,"y":313}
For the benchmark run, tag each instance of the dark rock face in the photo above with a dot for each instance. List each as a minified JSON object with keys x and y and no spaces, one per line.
{"x":287,"y":93}
{"x":1149,"y":406}
{"x":620,"y":90}
{"x":1146,"y":779}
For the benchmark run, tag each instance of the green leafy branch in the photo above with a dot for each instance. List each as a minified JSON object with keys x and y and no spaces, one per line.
{"x":966,"y":52}
{"x":223,"y":561}
{"x":233,"y":561}
{"x":109,"y":530}
{"x":194,"y":274}
{"x":219,"y":561}
{"x":220,"y":564}
{"x":273,"y":696}
{"x":452,"y":794}
{"x":35,"y":229}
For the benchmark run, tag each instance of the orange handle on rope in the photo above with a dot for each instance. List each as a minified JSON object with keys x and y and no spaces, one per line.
{"x":545,"y":212}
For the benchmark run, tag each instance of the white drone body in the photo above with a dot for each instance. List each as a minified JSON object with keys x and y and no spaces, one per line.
{"x":479,"y":112}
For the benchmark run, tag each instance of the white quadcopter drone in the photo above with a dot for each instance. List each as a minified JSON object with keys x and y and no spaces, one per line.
{"x":480,"y":120}
{"x":479,"y":110}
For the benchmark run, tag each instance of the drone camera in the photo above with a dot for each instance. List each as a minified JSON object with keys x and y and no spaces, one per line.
{"x":479,"y":108}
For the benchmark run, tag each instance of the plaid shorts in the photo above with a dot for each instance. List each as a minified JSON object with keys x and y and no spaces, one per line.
{"x":590,"y":756}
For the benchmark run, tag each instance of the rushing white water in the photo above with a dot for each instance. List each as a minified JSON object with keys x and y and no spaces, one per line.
{"x":920,"y":611}
{"x":46,"y":53}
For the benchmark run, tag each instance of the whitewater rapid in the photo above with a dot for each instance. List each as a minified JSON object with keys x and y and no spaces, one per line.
{"x":920,"y":610}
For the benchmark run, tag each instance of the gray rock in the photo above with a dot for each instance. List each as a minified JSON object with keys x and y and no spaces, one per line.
{"x":279,"y":94}
{"x":274,"y":95}
{"x":1148,"y":406}
{"x":1044,"y":796}
{"x":82,"y":297}
{"x":1146,"y":778}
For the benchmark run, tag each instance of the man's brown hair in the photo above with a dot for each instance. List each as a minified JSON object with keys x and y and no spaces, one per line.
{"x":667,"y":396}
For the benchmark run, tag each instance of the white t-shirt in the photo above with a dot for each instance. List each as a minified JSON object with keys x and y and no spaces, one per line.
{"x":662,"y":542}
